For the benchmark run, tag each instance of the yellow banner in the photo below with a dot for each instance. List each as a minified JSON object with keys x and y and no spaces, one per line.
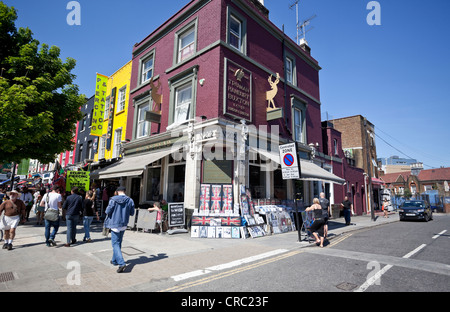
{"x":79,"y":179}
{"x":99,"y":105}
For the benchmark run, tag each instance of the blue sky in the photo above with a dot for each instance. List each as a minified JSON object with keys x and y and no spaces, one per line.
{"x":396,"y":74}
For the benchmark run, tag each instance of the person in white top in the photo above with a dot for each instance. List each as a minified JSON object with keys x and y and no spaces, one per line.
{"x":52,"y":200}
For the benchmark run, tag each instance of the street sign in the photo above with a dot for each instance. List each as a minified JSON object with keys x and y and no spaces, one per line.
{"x":290,"y":165}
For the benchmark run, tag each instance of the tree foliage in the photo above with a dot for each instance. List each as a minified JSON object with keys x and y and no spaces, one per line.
{"x":39,"y":103}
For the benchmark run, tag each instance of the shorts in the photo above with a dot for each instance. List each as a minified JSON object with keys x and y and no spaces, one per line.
{"x":40,"y":208}
{"x":11,"y":222}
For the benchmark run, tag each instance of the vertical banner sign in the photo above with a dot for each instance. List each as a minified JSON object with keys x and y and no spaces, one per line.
{"x":99,"y":105}
{"x":290,"y":165}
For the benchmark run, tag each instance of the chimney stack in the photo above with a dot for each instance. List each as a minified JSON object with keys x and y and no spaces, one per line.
{"x":259,"y":4}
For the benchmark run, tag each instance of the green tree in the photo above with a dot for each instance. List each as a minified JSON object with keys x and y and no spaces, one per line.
{"x":39,"y":103}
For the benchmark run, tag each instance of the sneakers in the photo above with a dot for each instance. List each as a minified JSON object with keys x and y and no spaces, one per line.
{"x":121,"y":269}
{"x":7,"y":246}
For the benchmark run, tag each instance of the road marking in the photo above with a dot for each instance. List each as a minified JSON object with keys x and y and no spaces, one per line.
{"x":228,"y":265}
{"x":378,"y":275}
{"x":437,"y":235}
{"x":231,"y":272}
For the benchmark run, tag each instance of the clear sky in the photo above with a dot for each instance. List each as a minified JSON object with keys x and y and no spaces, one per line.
{"x":396,"y":74}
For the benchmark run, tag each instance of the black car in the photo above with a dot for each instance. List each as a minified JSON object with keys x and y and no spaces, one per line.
{"x":415,"y":210}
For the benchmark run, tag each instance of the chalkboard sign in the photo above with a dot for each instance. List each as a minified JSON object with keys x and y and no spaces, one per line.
{"x":176,"y":214}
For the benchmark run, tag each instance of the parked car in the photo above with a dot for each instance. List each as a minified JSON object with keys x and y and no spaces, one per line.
{"x":415,"y":210}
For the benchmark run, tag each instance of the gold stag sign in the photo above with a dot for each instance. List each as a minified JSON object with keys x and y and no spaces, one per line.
{"x":273,"y":112}
{"x":237,"y":91}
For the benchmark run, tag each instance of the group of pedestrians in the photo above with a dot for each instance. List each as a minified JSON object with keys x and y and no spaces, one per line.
{"x":321,"y":213}
{"x":120,"y":208}
{"x":48,"y":207}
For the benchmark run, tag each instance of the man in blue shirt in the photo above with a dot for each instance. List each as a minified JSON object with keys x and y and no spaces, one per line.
{"x":118,"y":213}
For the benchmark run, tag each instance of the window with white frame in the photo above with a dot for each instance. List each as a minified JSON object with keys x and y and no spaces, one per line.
{"x":101,"y":148}
{"x":107,"y":108}
{"x":121,"y":99}
{"x":147,"y":69}
{"x":299,"y":107}
{"x":298,"y":125}
{"x":117,"y":142}
{"x":235,"y":32}
{"x":143,"y":126}
{"x":289,"y":70}
{"x":186,"y":44}
{"x":183,"y":100}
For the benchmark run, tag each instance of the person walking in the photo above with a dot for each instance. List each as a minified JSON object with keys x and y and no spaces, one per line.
{"x":118,"y":213}
{"x":88,"y":214}
{"x":40,"y":209}
{"x":325,"y":204}
{"x":73,"y":205}
{"x":27,"y":198}
{"x":317,"y":226}
{"x":15,"y":212}
{"x":51,"y":200}
{"x":348,"y":210}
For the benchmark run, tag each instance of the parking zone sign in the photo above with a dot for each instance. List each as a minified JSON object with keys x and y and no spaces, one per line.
{"x":290,"y":165}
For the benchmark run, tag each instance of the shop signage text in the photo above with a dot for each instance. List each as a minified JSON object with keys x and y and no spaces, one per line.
{"x":238,"y":91}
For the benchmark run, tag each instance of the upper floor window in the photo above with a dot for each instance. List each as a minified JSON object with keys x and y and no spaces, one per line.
{"x":121,"y":99}
{"x":235,"y":35}
{"x":236,"y":32}
{"x":298,"y":125}
{"x":117,"y":143}
{"x":186,"y":45}
{"x":299,"y":107}
{"x":147,"y":70}
{"x":183,"y":100}
{"x":143,"y":126}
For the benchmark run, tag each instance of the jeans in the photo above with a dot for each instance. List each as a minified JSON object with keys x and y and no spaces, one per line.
{"x":71,"y":228}
{"x":87,"y":224}
{"x":347,"y":215}
{"x":116,"y":241}
{"x":49,"y":224}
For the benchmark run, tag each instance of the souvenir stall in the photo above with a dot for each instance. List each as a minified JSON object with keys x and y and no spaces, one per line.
{"x":219,"y":217}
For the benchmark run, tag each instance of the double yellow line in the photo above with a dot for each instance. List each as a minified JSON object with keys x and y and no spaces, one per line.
{"x":231,"y":272}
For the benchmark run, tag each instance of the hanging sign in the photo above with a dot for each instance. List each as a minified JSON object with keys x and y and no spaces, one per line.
{"x":290,"y":165}
{"x":77,"y":178}
{"x":99,"y":105}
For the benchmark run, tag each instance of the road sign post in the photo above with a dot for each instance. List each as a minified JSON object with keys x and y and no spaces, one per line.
{"x":290,"y":168}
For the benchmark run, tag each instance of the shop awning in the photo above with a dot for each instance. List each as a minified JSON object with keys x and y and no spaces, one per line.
{"x":310,"y":171}
{"x":132,"y":166}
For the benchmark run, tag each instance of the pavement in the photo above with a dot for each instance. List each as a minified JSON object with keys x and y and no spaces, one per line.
{"x":152,"y":258}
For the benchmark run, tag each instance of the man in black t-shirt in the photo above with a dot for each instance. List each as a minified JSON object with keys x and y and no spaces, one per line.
{"x":348,"y":209}
{"x":325,"y":204}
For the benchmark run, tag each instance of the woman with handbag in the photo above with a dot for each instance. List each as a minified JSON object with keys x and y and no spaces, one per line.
{"x":53,"y":203}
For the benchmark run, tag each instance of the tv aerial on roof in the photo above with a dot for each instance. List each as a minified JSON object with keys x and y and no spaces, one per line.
{"x":301,"y":28}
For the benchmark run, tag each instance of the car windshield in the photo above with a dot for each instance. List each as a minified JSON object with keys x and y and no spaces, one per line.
{"x":417,"y":204}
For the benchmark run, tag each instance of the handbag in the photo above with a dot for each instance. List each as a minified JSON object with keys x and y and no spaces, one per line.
{"x":51,"y":214}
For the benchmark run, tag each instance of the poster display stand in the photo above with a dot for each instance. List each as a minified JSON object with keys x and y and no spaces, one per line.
{"x":219,"y":217}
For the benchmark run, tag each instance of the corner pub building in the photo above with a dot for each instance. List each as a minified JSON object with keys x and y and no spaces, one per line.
{"x":214,"y":91}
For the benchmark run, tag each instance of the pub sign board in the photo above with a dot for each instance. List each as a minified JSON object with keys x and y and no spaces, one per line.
{"x":237,"y":91}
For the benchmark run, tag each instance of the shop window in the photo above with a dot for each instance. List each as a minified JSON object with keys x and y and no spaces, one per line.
{"x":175,"y":185}
{"x":279,"y":185}
{"x":257,"y":182}
{"x":153,"y":183}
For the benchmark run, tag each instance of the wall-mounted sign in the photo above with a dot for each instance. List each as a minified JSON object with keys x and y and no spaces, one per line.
{"x":290,"y":165}
{"x":237,"y":91}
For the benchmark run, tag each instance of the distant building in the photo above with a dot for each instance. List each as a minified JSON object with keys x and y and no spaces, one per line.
{"x":395,"y":164}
